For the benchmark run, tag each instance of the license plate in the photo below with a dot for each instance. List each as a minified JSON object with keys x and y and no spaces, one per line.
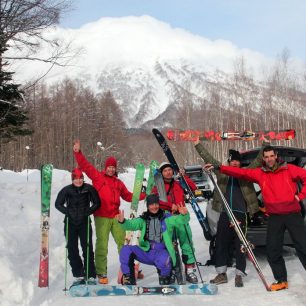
{"x":198,"y":192}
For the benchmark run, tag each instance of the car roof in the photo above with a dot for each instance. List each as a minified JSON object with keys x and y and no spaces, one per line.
{"x":296,"y":156}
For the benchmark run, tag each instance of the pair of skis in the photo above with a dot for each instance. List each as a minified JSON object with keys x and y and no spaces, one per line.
{"x":108,"y":290}
{"x":192,"y":135}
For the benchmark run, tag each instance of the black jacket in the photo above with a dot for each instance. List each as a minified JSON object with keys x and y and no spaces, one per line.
{"x":75,"y":202}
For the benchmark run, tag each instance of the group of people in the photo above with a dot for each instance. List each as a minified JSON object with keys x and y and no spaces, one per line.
{"x":166,"y":221}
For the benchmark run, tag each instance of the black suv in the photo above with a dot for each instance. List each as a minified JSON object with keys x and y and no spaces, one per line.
{"x":204,"y":186}
{"x":258,"y":226}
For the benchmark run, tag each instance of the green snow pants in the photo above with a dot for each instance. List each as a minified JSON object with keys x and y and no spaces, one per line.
{"x":184,"y":235}
{"x":104,"y":226}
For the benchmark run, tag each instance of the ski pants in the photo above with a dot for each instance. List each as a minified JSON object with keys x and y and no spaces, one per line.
{"x":184,"y":235}
{"x":157,"y":256}
{"x":79,"y":267}
{"x":277,"y":224}
{"x":226,"y":236}
{"x":105,"y":226}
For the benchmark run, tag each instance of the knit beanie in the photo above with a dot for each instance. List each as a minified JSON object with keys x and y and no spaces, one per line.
{"x":110,"y":161}
{"x":234,"y":155}
{"x":76,"y":174}
{"x":152,"y":199}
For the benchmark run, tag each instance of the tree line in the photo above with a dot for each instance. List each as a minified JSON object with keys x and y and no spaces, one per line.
{"x":62,"y":112}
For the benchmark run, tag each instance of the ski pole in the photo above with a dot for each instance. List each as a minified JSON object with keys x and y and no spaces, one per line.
{"x":87,"y":249}
{"x":193,"y":253}
{"x":66,"y":256}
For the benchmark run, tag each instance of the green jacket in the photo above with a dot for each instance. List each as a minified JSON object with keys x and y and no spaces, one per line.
{"x":247,"y":188}
{"x":169,"y":222}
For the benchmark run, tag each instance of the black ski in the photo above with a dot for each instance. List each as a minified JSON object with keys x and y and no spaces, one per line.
{"x":191,"y":198}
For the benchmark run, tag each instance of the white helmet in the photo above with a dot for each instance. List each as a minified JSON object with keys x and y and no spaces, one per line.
{"x":164,"y":165}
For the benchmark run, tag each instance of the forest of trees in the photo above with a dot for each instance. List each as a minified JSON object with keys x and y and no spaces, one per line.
{"x":60,"y":113}
{"x":39,"y":122}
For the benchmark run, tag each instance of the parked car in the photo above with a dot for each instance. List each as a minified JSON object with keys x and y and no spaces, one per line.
{"x":204,"y":186}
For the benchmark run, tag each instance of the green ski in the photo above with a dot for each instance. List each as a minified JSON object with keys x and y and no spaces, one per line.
{"x":46,"y":180}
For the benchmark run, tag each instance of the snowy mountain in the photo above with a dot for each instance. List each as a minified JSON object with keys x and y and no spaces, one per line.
{"x":19,"y":257}
{"x":146,"y":63}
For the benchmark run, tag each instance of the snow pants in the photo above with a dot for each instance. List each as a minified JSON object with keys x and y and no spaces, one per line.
{"x":78,"y":267}
{"x":105,"y":226}
{"x":157,"y":256}
{"x":184,"y":235}
{"x":277,"y":224}
{"x":226,"y":236}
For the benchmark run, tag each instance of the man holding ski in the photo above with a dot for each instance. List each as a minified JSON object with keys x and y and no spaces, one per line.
{"x":176,"y":198}
{"x":278,"y":183}
{"x":242,"y":198}
{"x":110,"y":190}
{"x":155,"y":242}
{"x":78,"y":201}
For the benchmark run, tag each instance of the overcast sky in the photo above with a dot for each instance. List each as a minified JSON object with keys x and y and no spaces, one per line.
{"x":267,"y":26}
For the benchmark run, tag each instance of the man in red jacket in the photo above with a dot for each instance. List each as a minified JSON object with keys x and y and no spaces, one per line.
{"x":278,"y":183}
{"x":110,"y":190}
{"x":175,"y":198}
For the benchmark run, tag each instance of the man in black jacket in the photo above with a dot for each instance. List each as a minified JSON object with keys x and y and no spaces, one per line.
{"x":75,"y":202}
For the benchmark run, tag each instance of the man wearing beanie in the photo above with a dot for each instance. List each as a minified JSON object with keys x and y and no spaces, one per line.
{"x":110,"y":190}
{"x":242,"y":199}
{"x":155,"y":242}
{"x":75,"y":202}
{"x":176,"y":197}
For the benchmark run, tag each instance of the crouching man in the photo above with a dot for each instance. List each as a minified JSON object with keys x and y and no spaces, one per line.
{"x":155,"y":243}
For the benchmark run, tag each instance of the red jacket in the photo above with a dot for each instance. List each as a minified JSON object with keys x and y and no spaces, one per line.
{"x":175,"y":193}
{"x":110,"y":188}
{"x":278,"y":188}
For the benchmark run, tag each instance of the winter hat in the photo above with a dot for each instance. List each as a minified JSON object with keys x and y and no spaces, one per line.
{"x":110,"y":161}
{"x":152,"y":199}
{"x":164,"y":165}
{"x":234,"y":155}
{"x":76,"y":174}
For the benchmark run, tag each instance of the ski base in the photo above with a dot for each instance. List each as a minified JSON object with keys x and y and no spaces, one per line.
{"x":192,"y":135}
{"x":117,"y":290}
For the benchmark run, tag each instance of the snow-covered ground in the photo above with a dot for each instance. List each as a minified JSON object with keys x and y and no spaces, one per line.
{"x":19,"y":257}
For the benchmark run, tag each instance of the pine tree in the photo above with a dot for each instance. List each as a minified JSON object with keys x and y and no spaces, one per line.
{"x":13,"y":117}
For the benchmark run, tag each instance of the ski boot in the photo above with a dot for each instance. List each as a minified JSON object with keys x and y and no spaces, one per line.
{"x":190,"y":274}
{"x":279,"y":285}
{"x":219,"y":279}
{"x":91,"y":281}
{"x":78,"y":281}
{"x":238,"y":281}
{"x":164,"y":280}
{"x":127,"y":280}
{"x":103,"y":279}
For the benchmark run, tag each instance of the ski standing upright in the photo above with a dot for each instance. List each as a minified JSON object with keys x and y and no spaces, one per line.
{"x":191,"y":198}
{"x":46,"y":180}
